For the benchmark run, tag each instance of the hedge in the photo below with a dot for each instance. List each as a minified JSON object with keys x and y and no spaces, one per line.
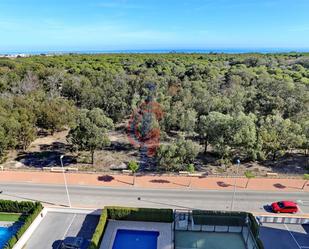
{"x":124,"y":213}
{"x":219,"y":218}
{"x":99,"y":231}
{"x":30,"y":209}
{"x":15,"y":206}
{"x":140,"y":214}
{"x":260,"y":243}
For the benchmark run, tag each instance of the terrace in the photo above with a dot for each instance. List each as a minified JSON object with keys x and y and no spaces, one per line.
{"x":213,"y":229}
{"x":133,"y":228}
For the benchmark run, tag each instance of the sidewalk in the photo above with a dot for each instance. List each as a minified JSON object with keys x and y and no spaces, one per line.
{"x":159,"y":181}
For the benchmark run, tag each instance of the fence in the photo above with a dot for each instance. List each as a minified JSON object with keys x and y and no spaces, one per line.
{"x":220,"y":222}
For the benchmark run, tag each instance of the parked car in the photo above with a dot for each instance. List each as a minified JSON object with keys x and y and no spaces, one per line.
{"x":284,"y":207}
{"x":72,"y":243}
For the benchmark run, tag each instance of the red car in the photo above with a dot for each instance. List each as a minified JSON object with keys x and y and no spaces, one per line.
{"x":284,"y":207}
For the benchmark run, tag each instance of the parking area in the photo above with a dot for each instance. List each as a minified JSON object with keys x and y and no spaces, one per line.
{"x":285,"y":236}
{"x":57,"y":226}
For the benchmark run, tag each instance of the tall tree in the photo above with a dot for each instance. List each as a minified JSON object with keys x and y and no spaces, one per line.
{"x":216,"y":130}
{"x":90,"y":131}
{"x":277,"y":135}
{"x":174,"y":156}
{"x":55,"y":114}
{"x":26,"y":131}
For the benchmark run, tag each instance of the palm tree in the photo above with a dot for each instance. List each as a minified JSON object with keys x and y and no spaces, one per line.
{"x":133,"y":166}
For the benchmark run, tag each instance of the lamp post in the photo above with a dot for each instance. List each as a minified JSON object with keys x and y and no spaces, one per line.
{"x":65,"y":180}
{"x":234,"y":192}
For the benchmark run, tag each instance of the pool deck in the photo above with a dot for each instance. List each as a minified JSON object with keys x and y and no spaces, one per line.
{"x":165,"y":239}
{"x":6,"y":223}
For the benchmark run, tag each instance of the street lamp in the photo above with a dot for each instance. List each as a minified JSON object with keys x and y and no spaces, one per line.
{"x":65,"y":180}
{"x":235,"y":178}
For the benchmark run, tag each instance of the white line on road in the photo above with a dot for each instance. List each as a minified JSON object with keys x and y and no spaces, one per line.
{"x":300,"y":210}
{"x":65,"y":234}
{"x":286,"y":227}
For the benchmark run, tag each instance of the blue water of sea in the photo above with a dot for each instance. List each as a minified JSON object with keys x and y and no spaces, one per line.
{"x":155,"y":51}
{"x":132,"y":239}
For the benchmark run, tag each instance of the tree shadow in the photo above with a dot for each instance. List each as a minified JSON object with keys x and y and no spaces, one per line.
{"x":268,"y":208}
{"x":223,"y":184}
{"x":203,"y":176}
{"x":299,"y":188}
{"x":88,"y":227}
{"x":286,"y":164}
{"x":43,"y":133}
{"x":120,"y":146}
{"x":129,"y":183}
{"x":279,"y":185}
{"x":56,"y":146}
{"x":109,"y":178}
{"x":86,"y":231}
{"x":106,"y":178}
{"x":44,"y":159}
{"x":162,"y":181}
{"x":179,"y":184}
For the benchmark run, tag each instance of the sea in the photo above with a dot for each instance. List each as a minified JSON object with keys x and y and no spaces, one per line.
{"x":159,"y":51}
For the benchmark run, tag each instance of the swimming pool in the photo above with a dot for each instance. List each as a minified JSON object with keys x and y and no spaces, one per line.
{"x":5,"y":234}
{"x":133,"y":239}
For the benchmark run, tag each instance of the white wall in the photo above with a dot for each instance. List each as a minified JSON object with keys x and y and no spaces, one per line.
{"x":22,"y":241}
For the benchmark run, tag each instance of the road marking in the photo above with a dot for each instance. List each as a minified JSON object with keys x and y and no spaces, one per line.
{"x":300,"y":210}
{"x":286,"y":227}
{"x":65,"y":234}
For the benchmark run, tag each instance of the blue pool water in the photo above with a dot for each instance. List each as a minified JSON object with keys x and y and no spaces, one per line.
{"x":5,"y":234}
{"x":131,"y":239}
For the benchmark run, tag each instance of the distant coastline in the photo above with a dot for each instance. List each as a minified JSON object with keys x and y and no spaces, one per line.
{"x":154,"y":51}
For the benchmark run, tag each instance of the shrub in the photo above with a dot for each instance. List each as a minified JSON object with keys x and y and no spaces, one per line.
{"x":98,"y":234}
{"x":140,"y":214}
{"x":219,"y":218}
{"x":31,"y":209}
{"x":190,"y":168}
{"x":16,"y":207}
{"x":133,"y":165}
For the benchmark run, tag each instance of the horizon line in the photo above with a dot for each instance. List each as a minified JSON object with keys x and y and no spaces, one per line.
{"x":160,"y":51}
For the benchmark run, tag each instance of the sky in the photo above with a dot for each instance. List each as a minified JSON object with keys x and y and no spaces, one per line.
{"x":76,"y":25}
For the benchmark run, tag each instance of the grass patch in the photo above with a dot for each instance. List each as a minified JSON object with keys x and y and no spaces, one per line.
{"x":9,"y":217}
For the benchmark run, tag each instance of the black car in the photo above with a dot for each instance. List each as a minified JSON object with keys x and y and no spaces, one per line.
{"x":72,"y":243}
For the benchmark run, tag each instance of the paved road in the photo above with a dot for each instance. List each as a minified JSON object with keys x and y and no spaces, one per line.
{"x":89,"y":196}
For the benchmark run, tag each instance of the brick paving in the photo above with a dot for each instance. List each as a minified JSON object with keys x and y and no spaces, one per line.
{"x":155,"y":181}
